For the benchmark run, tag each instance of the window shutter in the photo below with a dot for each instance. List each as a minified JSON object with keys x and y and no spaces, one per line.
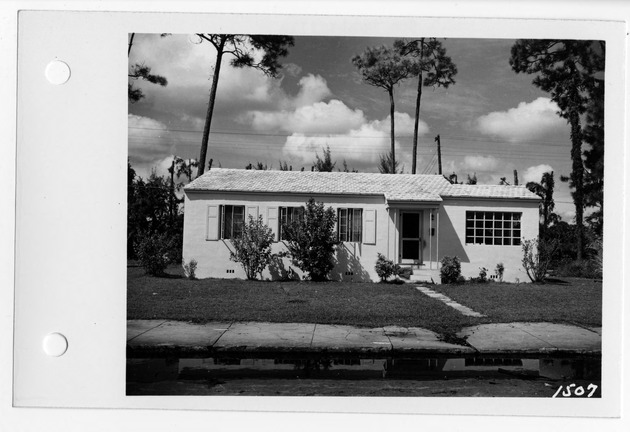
{"x":253,"y":212}
{"x":212,"y":226}
{"x":272,"y":221}
{"x":369,"y":227}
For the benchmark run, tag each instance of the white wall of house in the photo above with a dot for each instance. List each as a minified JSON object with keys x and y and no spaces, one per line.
{"x":452,"y":236}
{"x":355,"y":260}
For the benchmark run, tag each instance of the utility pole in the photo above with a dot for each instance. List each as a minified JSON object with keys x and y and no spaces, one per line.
{"x":439,"y":154}
{"x":515,"y":178}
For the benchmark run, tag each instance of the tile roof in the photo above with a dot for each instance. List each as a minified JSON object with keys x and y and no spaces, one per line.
{"x":394,"y":187}
{"x":489,"y":191}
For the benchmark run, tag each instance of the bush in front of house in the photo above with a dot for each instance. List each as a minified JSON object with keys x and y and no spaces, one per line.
{"x":537,"y":257}
{"x":252,"y":249}
{"x":498,"y":271}
{"x":311,"y":240}
{"x":190,"y":269}
{"x":451,"y":270}
{"x":483,"y":275}
{"x":152,"y":251}
{"x":386,"y":268}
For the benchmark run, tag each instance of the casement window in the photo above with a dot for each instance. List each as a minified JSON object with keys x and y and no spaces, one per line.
{"x":350,"y":224}
{"x":287,"y":216}
{"x":231,"y":221}
{"x":493,"y":228}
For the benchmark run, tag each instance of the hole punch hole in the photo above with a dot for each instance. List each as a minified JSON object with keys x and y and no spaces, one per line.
{"x":55,"y":344}
{"x":57,"y":72}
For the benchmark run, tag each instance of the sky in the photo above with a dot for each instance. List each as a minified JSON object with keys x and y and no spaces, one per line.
{"x":491,"y":121}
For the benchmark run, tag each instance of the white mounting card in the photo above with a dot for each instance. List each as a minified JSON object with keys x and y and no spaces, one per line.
{"x":71,"y":222}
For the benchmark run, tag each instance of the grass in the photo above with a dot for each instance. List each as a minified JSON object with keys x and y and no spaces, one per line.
{"x":571,"y":300}
{"x":356,"y":304}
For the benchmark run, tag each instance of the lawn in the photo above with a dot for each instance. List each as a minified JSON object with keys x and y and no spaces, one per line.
{"x":570,"y":300}
{"x":357,"y":304}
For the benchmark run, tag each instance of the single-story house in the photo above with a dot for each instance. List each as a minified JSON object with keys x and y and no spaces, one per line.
{"x":413,"y":220}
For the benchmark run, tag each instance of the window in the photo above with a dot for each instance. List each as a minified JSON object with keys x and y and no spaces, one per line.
{"x":287,"y":216}
{"x":493,"y":228}
{"x":231,"y":221}
{"x":350,"y":224}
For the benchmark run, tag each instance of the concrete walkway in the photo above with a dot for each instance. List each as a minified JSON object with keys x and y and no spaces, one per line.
{"x":449,"y":302}
{"x":161,"y":337}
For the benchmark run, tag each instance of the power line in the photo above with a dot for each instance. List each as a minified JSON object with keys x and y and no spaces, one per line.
{"x":331,"y":135}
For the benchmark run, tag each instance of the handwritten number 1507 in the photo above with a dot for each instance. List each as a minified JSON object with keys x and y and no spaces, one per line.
{"x":573,"y":390}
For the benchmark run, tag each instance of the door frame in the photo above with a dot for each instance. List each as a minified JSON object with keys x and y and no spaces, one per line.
{"x":420,"y":214}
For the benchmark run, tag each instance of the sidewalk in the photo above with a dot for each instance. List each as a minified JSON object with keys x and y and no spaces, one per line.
{"x":181,"y":339}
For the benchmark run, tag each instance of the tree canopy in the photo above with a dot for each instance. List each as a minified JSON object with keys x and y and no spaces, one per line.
{"x":384,"y":67}
{"x":571,"y":71}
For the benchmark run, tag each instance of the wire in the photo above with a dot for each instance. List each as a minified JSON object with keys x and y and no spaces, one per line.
{"x":446,"y":137}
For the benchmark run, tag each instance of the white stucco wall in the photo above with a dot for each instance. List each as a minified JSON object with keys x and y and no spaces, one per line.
{"x":452,"y":229}
{"x":355,"y":261}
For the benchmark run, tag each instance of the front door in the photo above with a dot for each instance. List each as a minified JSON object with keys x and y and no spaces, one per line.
{"x":411,"y":240}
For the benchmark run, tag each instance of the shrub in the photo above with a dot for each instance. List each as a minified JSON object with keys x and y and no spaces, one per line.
{"x":152,"y":251}
{"x":311,"y":241}
{"x":537,"y":256}
{"x":386,"y":268}
{"x":483,"y":275}
{"x":253,"y":247}
{"x":190,"y":268}
{"x":404,"y":272}
{"x":451,"y":269}
{"x":499,"y":271}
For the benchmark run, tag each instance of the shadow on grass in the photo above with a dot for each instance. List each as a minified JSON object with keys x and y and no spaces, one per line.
{"x":555,"y":281}
{"x":169,"y":276}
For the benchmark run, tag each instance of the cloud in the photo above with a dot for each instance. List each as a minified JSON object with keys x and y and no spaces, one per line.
{"x":534,"y":173}
{"x":525,"y":122}
{"x":481,"y":163}
{"x":149,"y":141}
{"x":362,"y":144}
{"x":313,"y":88}
{"x":321,"y":117}
{"x":292,"y":69}
{"x":188,"y":66}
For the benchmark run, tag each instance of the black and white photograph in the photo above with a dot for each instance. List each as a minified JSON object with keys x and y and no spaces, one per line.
{"x":297,"y":215}
{"x":364,"y":216}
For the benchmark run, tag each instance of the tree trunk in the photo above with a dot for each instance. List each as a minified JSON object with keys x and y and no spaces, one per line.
{"x":213,"y":94}
{"x":578,"y":177}
{"x":130,"y":43}
{"x":170,"y":195}
{"x":415,"y":127}
{"x":391,"y":115}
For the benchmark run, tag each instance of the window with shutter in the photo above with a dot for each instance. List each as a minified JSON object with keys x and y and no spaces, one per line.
{"x":350,"y":224}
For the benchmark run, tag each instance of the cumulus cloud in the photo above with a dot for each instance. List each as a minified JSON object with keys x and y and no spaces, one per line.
{"x":525,"y":122}
{"x":188,"y":66}
{"x":313,"y":88}
{"x":534,"y":173}
{"x":481,"y":163}
{"x":313,"y":123}
{"x":320,"y":117}
{"x":362,"y":144}
{"x":149,"y":141}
